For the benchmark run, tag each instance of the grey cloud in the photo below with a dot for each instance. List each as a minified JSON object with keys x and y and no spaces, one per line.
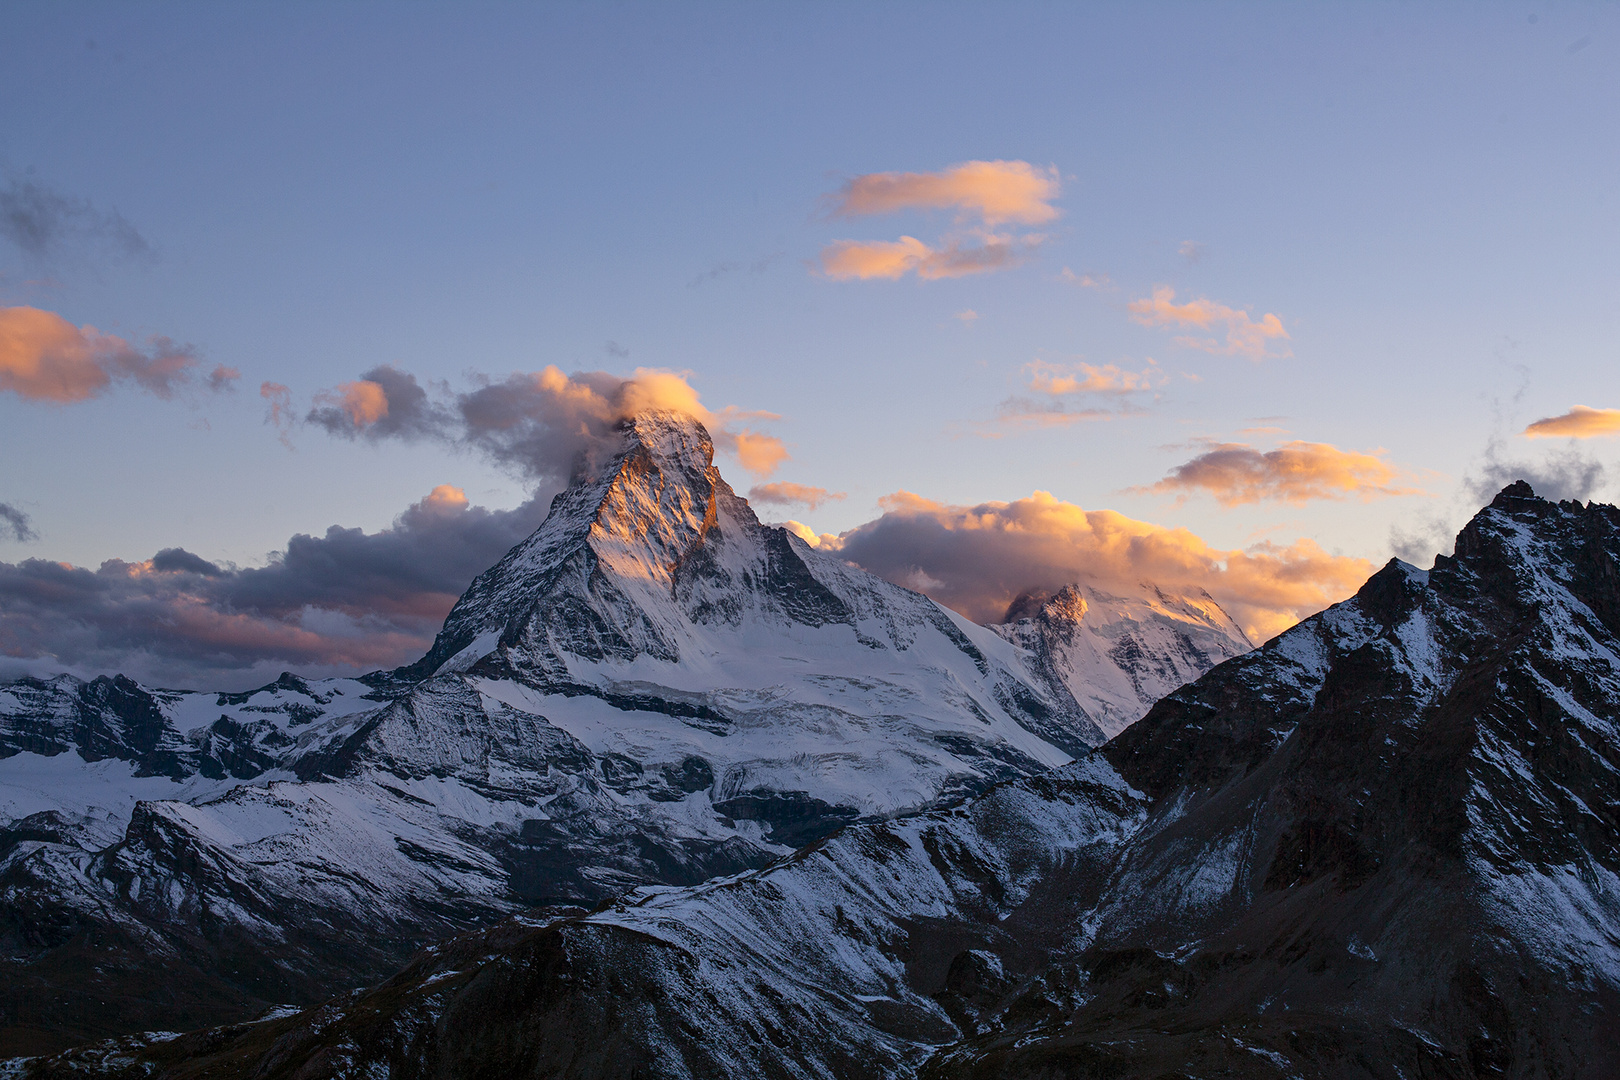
{"x":411,"y":415}
{"x":17,"y":523}
{"x":45,"y":224}
{"x":342,"y":603}
{"x":1563,"y":474}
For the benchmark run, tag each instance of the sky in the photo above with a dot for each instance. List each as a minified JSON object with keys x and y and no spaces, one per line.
{"x":1277,"y":290}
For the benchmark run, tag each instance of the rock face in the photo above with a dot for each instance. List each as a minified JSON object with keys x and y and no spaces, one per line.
{"x":654,"y":688}
{"x":1384,"y":845}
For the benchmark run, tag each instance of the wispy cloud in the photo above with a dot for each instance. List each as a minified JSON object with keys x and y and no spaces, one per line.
{"x":1243,"y":335}
{"x":978,"y":559}
{"x":785,"y":493}
{"x":863,"y":260}
{"x":45,"y":224}
{"x":1296,"y":472}
{"x":985,"y":195}
{"x":1053,"y":393}
{"x":1085,"y":281}
{"x":43,"y":357}
{"x":993,"y":192}
{"x":1191,"y":250}
{"x":1080,"y":378}
{"x":1580,"y":422}
{"x":17,"y":523}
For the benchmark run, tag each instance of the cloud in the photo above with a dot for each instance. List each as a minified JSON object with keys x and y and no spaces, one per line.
{"x":985,"y":194}
{"x":1579,"y":423}
{"x":1060,"y":379}
{"x":1567,"y":474}
{"x":1056,"y":382}
{"x":383,"y":403}
{"x":545,"y":426}
{"x":1243,"y":336}
{"x":1191,"y":250}
{"x":993,"y":192}
{"x":1296,"y":472}
{"x":278,"y":411}
{"x":1085,"y":281}
{"x":45,"y":224}
{"x":17,"y":523}
{"x":784,"y":493}
{"x":43,"y":357}
{"x":342,"y":603}
{"x":966,"y":317}
{"x":863,"y":260}
{"x":978,"y":559}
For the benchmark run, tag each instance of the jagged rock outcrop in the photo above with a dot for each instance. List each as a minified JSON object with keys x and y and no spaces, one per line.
{"x":1384,"y":845}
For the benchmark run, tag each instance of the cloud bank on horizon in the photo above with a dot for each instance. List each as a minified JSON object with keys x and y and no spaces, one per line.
{"x":343,"y":603}
{"x":978,"y":559}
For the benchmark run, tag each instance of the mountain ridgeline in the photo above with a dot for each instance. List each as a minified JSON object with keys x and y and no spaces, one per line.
{"x":654,"y":689}
{"x":1385,"y":845}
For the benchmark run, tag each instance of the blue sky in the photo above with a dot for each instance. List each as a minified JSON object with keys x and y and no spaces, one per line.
{"x":1424,"y":196}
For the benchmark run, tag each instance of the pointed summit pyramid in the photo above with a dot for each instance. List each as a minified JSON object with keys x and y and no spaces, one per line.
{"x":633,"y":558}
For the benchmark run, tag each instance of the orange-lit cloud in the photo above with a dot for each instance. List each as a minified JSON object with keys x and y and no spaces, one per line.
{"x":43,"y":357}
{"x":1580,"y":422}
{"x":544,"y":424}
{"x":978,"y":559}
{"x":1056,"y":382}
{"x":1243,"y":335}
{"x":1060,"y":379}
{"x":985,"y":194}
{"x":444,"y":499}
{"x":784,"y":493}
{"x":862,"y":260}
{"x":1296,"y":472}
{"x":363,"y":402}
{"x":990,"y":191}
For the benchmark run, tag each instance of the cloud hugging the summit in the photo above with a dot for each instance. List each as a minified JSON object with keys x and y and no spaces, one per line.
{"x":545,"y":425}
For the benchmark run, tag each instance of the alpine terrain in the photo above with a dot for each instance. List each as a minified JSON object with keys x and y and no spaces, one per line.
{"x":1384,"y":845}
{"x":654,"y":689}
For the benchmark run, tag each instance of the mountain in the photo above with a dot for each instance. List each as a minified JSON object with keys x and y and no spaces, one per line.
{"x":653,"y":688}
{"x":1384,"y":845}
{"x":1118,"y":655}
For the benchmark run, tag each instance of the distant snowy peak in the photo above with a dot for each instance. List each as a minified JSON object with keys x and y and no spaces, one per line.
{"x":1118,"y":654}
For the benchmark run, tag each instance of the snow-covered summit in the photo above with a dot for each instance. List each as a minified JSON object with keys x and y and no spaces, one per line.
{"x":1118,"y":654}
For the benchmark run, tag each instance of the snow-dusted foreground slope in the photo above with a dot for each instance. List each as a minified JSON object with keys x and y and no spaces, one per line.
{"x":653,"y":688}
{"x":1385,"y":845}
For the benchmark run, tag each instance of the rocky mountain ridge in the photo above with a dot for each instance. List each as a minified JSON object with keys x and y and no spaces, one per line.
{"x":653,"y":688}
{"x":1384,"y":845}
